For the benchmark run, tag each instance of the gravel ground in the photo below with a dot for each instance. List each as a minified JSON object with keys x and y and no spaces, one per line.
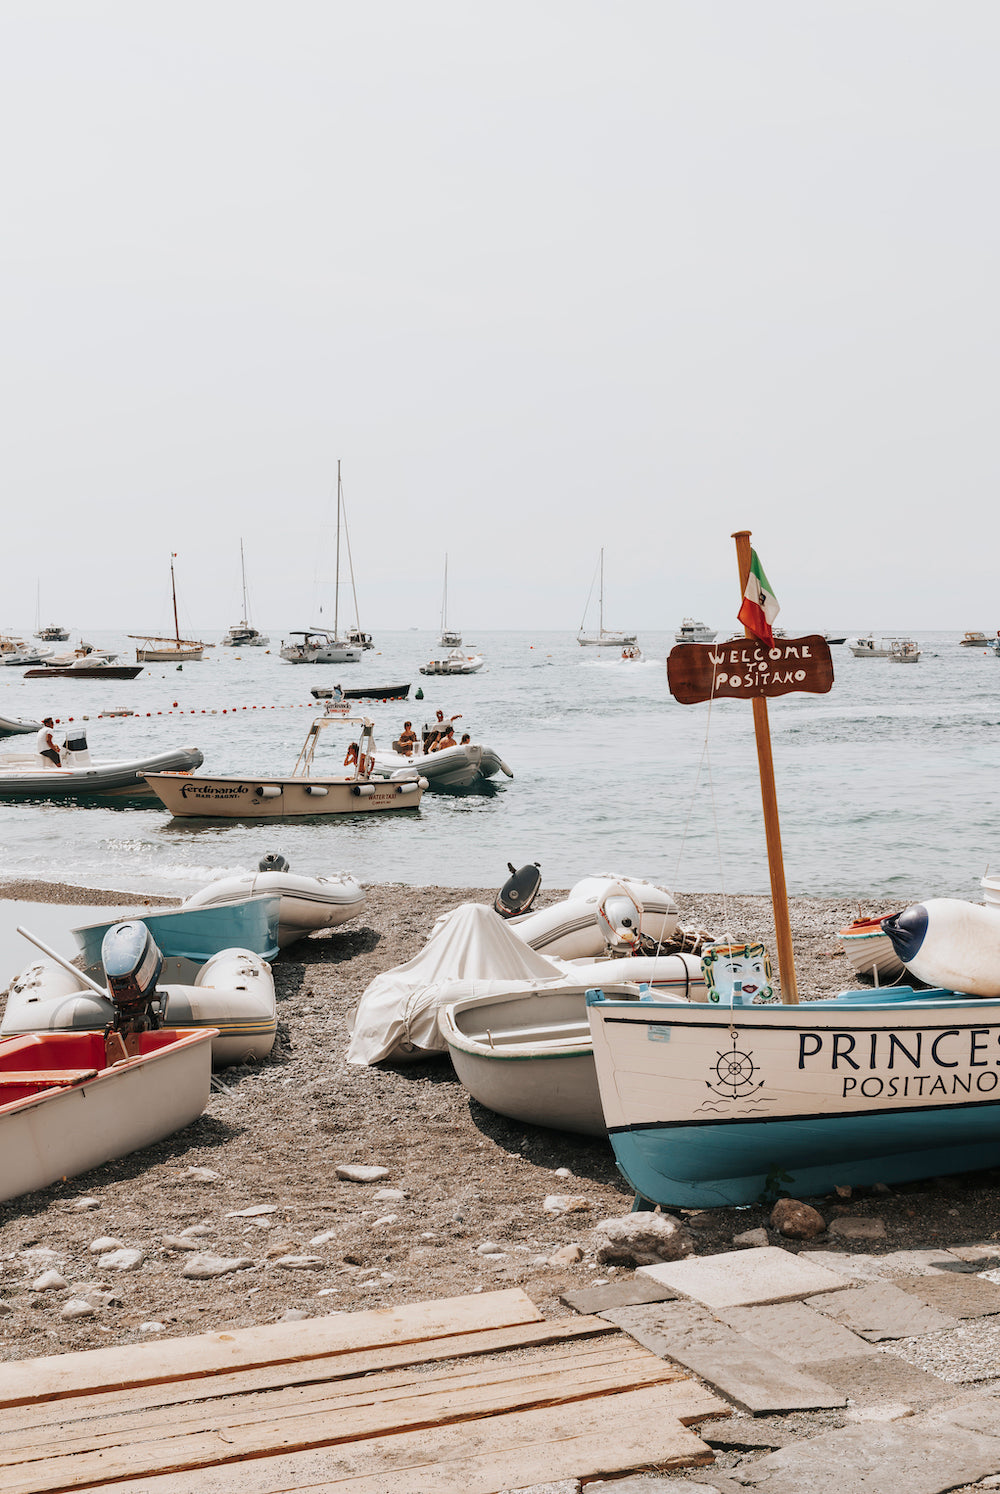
{"x":273,"y":1136}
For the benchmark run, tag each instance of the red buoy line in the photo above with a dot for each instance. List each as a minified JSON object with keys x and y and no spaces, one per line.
{"x":299,"y":705}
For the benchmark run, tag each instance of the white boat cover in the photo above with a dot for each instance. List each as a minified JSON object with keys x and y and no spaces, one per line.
{"x":470,"y":952}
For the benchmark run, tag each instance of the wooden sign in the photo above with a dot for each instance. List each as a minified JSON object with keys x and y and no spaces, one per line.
{"x":745,"y":669}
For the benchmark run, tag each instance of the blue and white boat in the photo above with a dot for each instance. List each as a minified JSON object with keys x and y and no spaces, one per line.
{"x":196,"y":933}
{"x":705,"y":1104}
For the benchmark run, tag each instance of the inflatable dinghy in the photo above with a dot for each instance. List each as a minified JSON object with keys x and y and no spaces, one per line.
{"x":305,"y":903}
{"x":949,"y":943}
{"x":232,"y":992}
{"x":583,"y":924}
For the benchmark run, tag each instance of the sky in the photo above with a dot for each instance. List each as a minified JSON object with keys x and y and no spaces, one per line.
{"x":544,"y":276}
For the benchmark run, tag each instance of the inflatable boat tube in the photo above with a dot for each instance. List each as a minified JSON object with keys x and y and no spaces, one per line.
{"x":659,"y":911}
{"x":577,"y":929}
{"x":677,"y":975}
{"x":306,"y":903}
{"x":233,"y":991}
{"x":949,"y":943}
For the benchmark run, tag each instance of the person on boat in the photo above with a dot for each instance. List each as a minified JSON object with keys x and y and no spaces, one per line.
{"x":466,"y":739}
{"x":46,"y":745}
{"x":407,"y":739}
{"x":437,"y":727}
{"x":352,"y":755}
{"x":446,"y":739}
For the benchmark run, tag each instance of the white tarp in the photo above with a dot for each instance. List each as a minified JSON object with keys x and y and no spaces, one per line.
{"x":471,"y":952}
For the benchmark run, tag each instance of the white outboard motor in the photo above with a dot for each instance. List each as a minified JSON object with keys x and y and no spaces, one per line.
{"x":132,"y":965}
{"x":273,"y":861}
{"x":75,"y":752}
{"x":620,"y":919}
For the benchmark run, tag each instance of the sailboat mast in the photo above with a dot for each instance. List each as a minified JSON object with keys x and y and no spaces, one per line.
{"x":769,"y":800}
{"x":336,"y":584}
{"x":444,"y":597}
{"x":243,"y":573}
{"x":600,"y":600}
{"x":173,"y":592}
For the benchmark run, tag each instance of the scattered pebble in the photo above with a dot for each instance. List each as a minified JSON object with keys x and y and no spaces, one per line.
{"x":293,"y":1315}
{"x":78,"y":1307}
{"x":151,"y":1327}
{"x":324,"y":1238}
{"x":194,"y":1230}
{"x":752,"y":1237}
{"x":5,"y":1309}
{"x":120,"y":1260}
{"x":355,"y":1173}
{"x":301,"y":1262}
{"x":385,"y":1219}
{"x":201,"y":1175}
{"x":855,"y":1227}
{"x":201,"y":1267}
{"x":256,"y":1211}
{"x":797,"y":1220}
{"x":49,"y":1281}
{"x":105,"y":1243}
{"x":179,"y":1242}
{"x":80,"y":1205}
{"x":566,"y":1203}
{"x":641,"y":1239}
{"x":389,"y":1195}
{"x":566,"y":1255}
{"x":489,"y":1247}
{"x":563,"y":1172}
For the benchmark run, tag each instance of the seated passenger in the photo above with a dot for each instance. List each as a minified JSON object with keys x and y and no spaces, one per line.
{"x":352,"y":755}
{"x":46,"y":745}
{"x":407,"y":739}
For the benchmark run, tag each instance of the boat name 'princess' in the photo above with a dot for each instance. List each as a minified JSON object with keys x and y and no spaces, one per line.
{"x":892,"y":1060}
{"x":745,"y":668}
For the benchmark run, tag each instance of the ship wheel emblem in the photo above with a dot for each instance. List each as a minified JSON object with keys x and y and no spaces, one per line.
{"x":735,"y":1073}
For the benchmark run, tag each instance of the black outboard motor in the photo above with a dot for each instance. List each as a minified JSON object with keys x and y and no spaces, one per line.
{"x":273,"y":862}
{"x":519,"y":891}
{"x":132,"y":965}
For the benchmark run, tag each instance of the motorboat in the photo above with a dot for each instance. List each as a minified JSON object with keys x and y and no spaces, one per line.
{"x":461,"y":766}
{"x":13,"y":726}
{"x":70,"y":1102}
{"x":243,"y":634}
{"x":22,"y":658}
{"x":975,"y":639}
{"x":83,"y":650}
{"x":604,"y":637}
{"x":196,"y":931}
{"x":904,"y":651}
{"x":306,"y":905}
{"x":91,"y":666}
{"x":867,"y":646}
{"x":834,"y":638}
{"x":578,"y":927}
{"x":870,"y":950}
{"x":360,"y":692}
{"x":454,"y":662}
{"x":302,"y":792}
{"x":694,"y":632}
{"x":79,"y":776}
{"x":176,"y":650}
{"x":631,"y":652}
{"x":318,"y":645}
{"x":53,"y":633}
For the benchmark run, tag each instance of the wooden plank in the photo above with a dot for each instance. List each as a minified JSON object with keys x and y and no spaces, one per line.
{"x":65,"y":1414}
{"x":622,"y":1358}
{"x":58,"y":1375}
{"x":361,"y":1416}
{"x":584,"y":1439}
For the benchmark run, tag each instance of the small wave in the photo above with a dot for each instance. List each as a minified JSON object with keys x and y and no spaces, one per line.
{"x":184,"y":873}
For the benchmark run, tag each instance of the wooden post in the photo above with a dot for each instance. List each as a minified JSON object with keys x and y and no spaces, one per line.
{"x":772,"y":828}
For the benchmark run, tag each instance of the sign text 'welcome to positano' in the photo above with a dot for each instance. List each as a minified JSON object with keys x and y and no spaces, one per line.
{"x":744,"y":668}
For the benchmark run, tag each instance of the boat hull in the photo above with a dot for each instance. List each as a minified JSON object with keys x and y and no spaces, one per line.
{"x":249,"y":920}
{"x":12,"y":727}
{"x":123,"y":781}
{"x":244,"y":798}
{"x":85,"y":672}
{"x":305,"y":904}
{"x":63,"y":1131}
{"x":363,"y":692}
{"x":705,"y":1105}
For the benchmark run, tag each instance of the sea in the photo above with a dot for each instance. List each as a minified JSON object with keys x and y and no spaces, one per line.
{"x":883,"y":784}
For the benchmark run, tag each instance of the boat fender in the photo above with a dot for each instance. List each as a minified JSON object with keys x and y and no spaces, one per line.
{"x":316,"y":790}
{"x":949,"y":943}
{"x":407,"y":788}
{"x":268,"y":791}
{"x":362,"y":790}
{"x":273,"y":861}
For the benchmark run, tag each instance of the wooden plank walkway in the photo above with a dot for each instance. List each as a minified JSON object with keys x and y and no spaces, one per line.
{"x":467,"y":1395}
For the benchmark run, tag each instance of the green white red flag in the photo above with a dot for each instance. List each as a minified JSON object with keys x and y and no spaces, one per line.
{"x":759,"y":607}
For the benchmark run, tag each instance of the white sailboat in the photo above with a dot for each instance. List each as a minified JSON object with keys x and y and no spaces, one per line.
{"x":450,"y":637}
{"x":604,"y":637}
{"x":243,"y":634}
{"x":319,"y":645}
{"x":53,"y":632}
{"x":176,"y":650}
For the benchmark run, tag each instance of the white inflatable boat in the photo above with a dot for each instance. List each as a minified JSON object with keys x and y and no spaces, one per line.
{"x":232,"y":992}
{"x":25,"y":775}
{"x":306,"y":903}
{"x":578,"y":929}
{"x":461,"y":766}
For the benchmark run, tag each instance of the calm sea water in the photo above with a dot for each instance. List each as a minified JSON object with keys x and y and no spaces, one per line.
{"x":884,"y":785}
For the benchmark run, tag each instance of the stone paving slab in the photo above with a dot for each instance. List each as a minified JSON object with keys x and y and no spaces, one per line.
{"x":898,"y":1458}
{"x":886,"y":1267}
{"x":882,"y":1380}
{"x":741,"y":1370}
{"x":745,"y":1433}
{"x":881,"y":1310}
{"x":978,"y":1410}
{"x":959,"y":1294}
{"x":795,"y":1332}
{"x":633,"y":1293}
{"x":978,"y":1256}
{"x":743,"y":1278}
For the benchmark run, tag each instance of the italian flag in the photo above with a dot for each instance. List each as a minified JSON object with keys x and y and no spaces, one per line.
{"x":759,"y":607}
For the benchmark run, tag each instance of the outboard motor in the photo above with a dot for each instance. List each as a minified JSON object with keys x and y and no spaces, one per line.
{"x":76,"y":753}
{"x":519,"y":891}
{"x":619,"y":918}
{"x":272,"y":862}
{"x":132,"y":964}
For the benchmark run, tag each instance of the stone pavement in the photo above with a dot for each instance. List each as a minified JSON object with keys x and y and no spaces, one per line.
{"x":848,"y":1373}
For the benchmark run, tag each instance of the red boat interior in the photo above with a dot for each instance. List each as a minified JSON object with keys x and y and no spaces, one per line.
{"x":58,"y":1060}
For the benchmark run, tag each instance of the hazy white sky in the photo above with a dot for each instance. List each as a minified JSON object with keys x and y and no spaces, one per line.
{"x":546,"y":275}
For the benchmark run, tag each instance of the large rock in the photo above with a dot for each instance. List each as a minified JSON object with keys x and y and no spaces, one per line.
{"x":797,"y":1220}
{"x":641,"y":1240}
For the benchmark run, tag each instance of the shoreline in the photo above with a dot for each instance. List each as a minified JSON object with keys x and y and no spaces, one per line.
{"x":33,"y":891}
